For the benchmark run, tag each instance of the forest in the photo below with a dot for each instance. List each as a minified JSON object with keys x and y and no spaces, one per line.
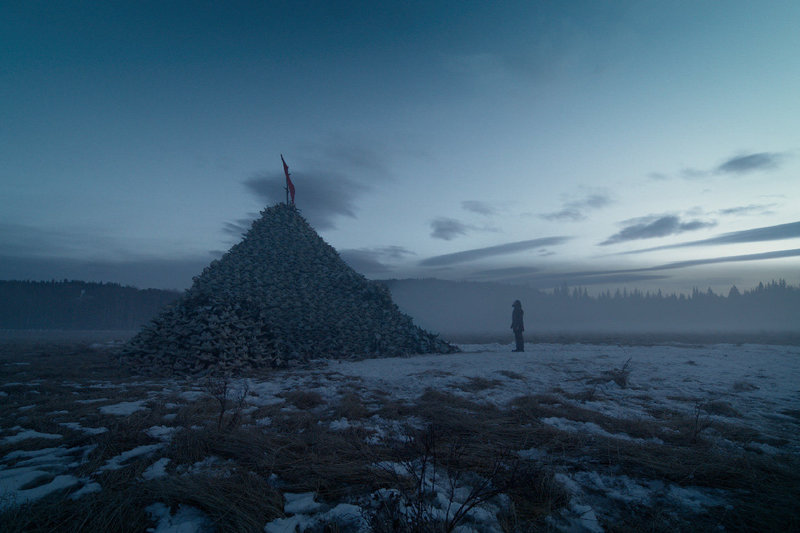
{"x":70,"y":304}
{"x":458,"y":307}
{"x":446,"y":307}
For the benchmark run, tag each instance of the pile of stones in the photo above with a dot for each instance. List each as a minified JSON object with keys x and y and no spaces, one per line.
{"x":281,"y":296}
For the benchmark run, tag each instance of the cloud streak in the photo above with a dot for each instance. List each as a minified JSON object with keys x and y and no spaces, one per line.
{"x":768,"y":233}
{"x":762,"y":209}
{"x":476,"y":206}
{"x":491,"y":251}
{"x":744,"y":164}
{"x":727,"y":259}
{"x":372,"y":261}
{"x":601,"y":277}
{"x":448,"y":228}
{"x":576,"y":210}
{"x":652,"y":227}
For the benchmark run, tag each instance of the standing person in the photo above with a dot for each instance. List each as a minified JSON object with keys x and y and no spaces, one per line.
{"x":517,"y":326}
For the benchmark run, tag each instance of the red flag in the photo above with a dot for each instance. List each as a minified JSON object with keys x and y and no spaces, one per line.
{"x":289,"y":184}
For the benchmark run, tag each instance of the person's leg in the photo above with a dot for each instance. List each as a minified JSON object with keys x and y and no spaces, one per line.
{"x":520,"y":341}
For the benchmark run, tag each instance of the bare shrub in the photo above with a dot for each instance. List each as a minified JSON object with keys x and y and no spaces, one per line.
{"x":227,"y":396}
{"x":304,"y":399}
{"x":469,"y":476}
{"x":351,"y":406}
{"x":619,"y":376}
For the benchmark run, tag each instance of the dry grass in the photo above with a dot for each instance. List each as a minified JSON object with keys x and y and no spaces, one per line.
{"x":304,"y":399}
{"x":477,"y":384}
{"x":300,"y":449}
{"x":351,"y":407}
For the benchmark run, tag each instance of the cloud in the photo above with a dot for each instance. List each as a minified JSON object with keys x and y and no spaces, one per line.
{"x":330,"y":177}
{"x":651,"y":227}
{"x":599,"y":277}
{"x":576,"y":210}
{"x":482,"y":208}
{"x":693,"y":173}
{"x":447,"y":228}
{"x":504,"y":273}
{"x":763,"y":209}
{"x":239,"y":227}
{"x":767,"y":233}
{"x":357,"y":155}
{"x":740,"y":164}
{"x":750,"y":163}
{"x":321,"y":196}
{"x":28,"y":241}
{"x":727,"y":259}
{"x":371,"y":261}
{"x":30,"y":253}
{"x":142,"y":273}
{"x":491,"y":251}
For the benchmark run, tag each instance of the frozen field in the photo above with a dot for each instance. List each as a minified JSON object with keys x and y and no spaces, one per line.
{"x":564,"y":437}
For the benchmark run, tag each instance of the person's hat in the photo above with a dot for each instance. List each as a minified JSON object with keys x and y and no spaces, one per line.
{"x":516,"y":303}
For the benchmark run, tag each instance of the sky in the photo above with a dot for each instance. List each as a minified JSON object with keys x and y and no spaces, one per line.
{"x":650,"y":145}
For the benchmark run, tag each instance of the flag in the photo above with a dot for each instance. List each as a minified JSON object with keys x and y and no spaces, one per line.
{"x":289,"y":184}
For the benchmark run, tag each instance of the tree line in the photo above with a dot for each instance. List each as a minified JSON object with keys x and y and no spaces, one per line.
{"x":451,"y":307}
{"x":774,"y":306}
{"x":443,"y":306}
{"x":70,"y":304}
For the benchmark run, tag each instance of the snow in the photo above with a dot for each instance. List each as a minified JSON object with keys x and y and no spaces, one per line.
{"x":751,"y":385}
{"x":34,"y":465}
{"x":123,"y":408}
{"x":117,"y":462}
{"x":300,"y":503}
{"x":573,"y":426}
{"x":347,"y":516}
{"x":30,"y":434}
{"x":157,"y":469}
{"x":187,"y":519}
{"x":89,"y":488}
{"x":89,"y":431}
{"x":162,"y":433}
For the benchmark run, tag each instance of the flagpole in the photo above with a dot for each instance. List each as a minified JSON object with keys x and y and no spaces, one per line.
{"x":286,"y":186}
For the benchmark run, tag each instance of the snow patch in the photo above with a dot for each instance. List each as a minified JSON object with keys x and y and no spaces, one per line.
{"x":157,"y":469}
{"x":30,"y":434}
{"x":115,"y":463}
{"x":187,"y":519}
{"x":123,"y":408}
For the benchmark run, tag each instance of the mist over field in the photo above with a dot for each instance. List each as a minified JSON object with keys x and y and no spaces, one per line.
{"x":463,"y":310}
{"x":458,"y":311}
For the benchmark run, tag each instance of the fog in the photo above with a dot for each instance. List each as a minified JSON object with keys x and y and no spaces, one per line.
{"x":474,"y":310}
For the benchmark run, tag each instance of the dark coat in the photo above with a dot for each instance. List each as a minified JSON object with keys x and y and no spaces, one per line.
{"x":516,"y":319}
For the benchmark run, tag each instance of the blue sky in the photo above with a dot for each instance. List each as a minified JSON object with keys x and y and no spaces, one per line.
{"x":639,"y":144}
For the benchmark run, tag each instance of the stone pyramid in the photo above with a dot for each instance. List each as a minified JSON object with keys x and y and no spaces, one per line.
{"x":279,"y":297}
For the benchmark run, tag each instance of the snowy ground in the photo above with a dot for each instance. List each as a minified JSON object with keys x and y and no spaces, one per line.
{"x":605,"y":421}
